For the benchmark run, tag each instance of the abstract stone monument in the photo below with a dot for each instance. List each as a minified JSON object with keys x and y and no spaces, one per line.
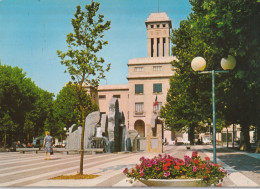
{"x":91,"y":122}
{"x":131,"y":140}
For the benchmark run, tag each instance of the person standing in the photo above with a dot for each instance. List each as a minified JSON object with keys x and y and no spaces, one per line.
{"x":47,"y":144}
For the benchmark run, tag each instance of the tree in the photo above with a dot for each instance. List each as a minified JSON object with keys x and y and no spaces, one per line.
{"x":214,"y":30}
{"x":81,"y":60}
{"x":236,"y":32}
{"x":22,"y":108}
{"x":66,"y":109}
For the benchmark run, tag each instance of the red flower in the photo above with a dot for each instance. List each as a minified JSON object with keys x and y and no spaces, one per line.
{"x":165,"y":168}
{"x":207,"y":171}
{"x":196,"y":161}
{"x":179,"y":164}
{"x":194,"y":154}
{"x":219,"y":185}
{"x":207,"y":158}
{"x":177,"y":167}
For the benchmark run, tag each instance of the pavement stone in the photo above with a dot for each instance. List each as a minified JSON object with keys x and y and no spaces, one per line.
{"x":33,"y":171}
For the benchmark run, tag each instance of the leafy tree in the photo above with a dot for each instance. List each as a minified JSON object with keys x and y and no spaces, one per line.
{"x":66,"y":109}
{"x":22,"y":108}
{"x":237,"y":32}
{"x":214,"y":30}
{"x":81,"y":60}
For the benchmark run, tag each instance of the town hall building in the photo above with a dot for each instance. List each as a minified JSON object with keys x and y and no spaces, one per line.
{"x":148,"y":79}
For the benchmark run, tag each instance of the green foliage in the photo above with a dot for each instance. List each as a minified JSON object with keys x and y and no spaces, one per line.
{"x":66,"y":109}
{"x":214,"y":30}
{"x":24,"y":107}
{"x":81,"y":60}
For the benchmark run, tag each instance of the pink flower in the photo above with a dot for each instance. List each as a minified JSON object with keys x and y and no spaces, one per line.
{"x":125,"y":170}
{"x":141,"y":174}
{"x":194,"y":169}
{"x":157,"y":168}
{"x":187,"y":159}
{"x":166,"y":174}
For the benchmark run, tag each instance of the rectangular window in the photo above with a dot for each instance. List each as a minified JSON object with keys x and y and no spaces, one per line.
{"x":158,"y":107}
{"x":139,"y":107}
{"x":157,"y":88}
{"x":139,"y":88}
{"x":102,"y":96}
{"x":116,"y":96}
{"x":157,"y":68}
{"x":139,"y":69}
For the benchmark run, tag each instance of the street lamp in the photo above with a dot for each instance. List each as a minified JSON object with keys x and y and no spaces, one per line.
{"x":199,"y":64}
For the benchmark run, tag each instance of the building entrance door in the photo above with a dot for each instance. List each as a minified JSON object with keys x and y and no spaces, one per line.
{"x":140,"y":127}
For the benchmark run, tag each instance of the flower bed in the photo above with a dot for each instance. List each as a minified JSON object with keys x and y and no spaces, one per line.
{"x":168,"y":167}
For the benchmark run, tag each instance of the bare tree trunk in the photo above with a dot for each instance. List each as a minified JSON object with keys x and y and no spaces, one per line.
{"x":245,"y":142}
{"x":191,"y":134}
{"x":5,"y":140}
{"x":82,"y":143}
{"x":258,"y":138}
{"x":233,"y":136}
{"x":227,"y":137}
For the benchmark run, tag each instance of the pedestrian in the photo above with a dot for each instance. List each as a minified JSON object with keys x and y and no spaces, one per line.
{"x":47,"y":144}
{"x":176,"y":142}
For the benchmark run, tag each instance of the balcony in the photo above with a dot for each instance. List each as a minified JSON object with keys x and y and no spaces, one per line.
{"x":139,"y":114}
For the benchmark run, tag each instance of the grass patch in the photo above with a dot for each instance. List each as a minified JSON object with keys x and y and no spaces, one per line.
{"x":77,"y":176}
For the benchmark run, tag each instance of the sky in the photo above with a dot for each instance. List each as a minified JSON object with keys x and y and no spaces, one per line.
{"x":31,"y":32}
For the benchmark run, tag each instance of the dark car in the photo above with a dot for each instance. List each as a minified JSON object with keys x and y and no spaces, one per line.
{"x":38,"y":142}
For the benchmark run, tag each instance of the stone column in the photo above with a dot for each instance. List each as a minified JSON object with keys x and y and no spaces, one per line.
{"x":167,"y":44}
{"x":155,"y":47}
{"x":149,"y":48}
{"x":161,"y":47}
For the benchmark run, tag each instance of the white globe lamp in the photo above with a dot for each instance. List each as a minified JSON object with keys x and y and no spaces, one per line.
{"x":228,"y":63}
{"x":198,"y":64}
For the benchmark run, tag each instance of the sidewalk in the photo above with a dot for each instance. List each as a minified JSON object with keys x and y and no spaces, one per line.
{"x":33,"y":171}
{"x":243,"y":167}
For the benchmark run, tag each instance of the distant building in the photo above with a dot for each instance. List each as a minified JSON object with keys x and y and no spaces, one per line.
{"x":148,"y":78}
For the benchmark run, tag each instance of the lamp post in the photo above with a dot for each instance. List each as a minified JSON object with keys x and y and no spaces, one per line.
{"x":199,"y":64}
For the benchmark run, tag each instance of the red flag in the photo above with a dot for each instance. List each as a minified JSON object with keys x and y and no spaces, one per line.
{"x":156,"y":102}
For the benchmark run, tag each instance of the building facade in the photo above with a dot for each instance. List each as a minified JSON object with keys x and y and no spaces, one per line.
{"x":148,"y":78}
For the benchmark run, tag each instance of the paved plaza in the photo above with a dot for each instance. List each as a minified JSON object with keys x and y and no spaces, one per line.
{"x":31,"y":170}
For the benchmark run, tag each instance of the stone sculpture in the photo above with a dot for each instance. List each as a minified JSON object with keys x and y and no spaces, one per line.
{"x":131,"y":140}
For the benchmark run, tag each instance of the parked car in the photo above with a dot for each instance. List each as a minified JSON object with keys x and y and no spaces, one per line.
{"x":206,"y":140}
{"x":183,"y":141}
{"x":38,"y":142}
